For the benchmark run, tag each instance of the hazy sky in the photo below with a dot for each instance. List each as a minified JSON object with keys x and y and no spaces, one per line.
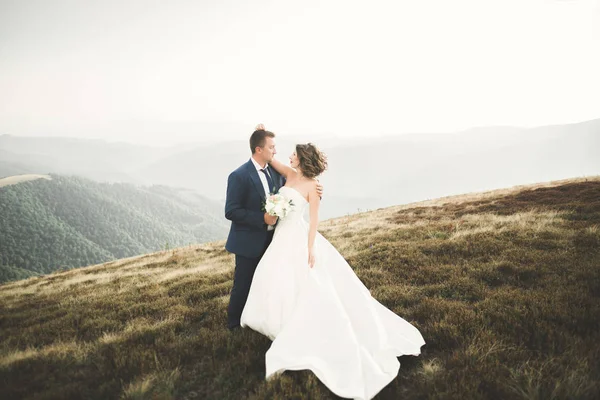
{"x":168,"y":71}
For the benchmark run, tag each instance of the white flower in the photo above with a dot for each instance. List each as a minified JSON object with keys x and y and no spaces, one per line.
{"x":269,"y":208}
{"x":278,"y":205}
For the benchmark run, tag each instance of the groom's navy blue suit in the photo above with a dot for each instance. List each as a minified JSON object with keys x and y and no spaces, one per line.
{"x":248,"y":236}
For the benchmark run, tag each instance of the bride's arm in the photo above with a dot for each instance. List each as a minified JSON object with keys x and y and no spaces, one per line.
{"x":285,"y":170}
{"x":314,"y":201}
{"x":280,"y":167}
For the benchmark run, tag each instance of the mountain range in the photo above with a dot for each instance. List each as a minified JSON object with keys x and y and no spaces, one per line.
{"x":364,"y":173}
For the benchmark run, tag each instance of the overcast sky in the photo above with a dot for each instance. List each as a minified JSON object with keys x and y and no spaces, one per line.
{"x":161,"y":72}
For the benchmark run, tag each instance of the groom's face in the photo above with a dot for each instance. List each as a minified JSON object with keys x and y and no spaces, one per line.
{"x":268,"y":151}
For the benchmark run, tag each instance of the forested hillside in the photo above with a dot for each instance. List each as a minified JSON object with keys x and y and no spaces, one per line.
{"x":70,"y":222}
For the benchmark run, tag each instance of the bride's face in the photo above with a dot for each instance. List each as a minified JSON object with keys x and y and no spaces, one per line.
{"x":294,"y":160}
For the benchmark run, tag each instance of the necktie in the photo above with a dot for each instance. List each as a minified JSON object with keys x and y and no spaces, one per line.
{"x":269,"y":180}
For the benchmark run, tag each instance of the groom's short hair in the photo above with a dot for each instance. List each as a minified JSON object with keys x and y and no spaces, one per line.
{"x":259,"y":138}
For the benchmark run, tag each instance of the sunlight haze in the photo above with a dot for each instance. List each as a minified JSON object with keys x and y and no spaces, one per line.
{"x":161,"y":73}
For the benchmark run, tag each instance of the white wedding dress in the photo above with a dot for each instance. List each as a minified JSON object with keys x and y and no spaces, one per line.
{"x":323,"y":319}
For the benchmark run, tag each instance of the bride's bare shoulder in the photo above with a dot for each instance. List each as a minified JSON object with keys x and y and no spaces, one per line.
{"x":311,"y":185}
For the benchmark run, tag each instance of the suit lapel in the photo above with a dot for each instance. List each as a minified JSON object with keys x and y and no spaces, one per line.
{"x":256,"y":180}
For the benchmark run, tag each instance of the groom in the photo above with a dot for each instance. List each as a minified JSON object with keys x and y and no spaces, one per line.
{"x":251,"y":228}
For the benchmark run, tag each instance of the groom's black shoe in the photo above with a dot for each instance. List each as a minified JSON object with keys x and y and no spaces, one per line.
{"x":234,"y":328}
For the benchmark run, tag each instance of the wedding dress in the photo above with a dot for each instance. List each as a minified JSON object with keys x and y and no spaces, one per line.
{"x":323,"y":318}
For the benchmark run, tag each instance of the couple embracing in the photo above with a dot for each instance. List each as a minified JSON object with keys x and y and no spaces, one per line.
{"x":293,"y":286}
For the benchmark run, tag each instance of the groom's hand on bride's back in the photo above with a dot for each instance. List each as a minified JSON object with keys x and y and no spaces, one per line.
{"x":320,"y":189}
{"x":270,"y":220}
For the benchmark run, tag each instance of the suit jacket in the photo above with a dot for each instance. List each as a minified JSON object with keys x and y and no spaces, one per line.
{"x":243,"y":207}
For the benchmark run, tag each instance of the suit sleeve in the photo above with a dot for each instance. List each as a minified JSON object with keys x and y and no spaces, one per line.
{"x":234,"y":210}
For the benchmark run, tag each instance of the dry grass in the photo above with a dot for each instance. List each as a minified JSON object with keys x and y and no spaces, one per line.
{"x":503,"y":285}
{"x":13,"y":180}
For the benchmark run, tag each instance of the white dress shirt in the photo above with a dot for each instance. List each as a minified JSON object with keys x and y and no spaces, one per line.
{"x":265,"y":183}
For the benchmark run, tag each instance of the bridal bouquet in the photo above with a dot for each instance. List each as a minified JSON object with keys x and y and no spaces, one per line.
{"x":278,"y":205}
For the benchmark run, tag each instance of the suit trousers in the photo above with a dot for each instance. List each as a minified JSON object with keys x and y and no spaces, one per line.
{"x":242,"y":280}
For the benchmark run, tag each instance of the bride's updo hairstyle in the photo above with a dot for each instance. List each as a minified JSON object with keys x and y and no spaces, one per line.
{"x":312,"y":161}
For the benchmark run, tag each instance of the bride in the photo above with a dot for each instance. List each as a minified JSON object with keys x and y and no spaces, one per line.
{"x":307,"y":299}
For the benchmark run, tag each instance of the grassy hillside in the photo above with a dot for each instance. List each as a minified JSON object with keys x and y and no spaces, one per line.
{"x":504,"y":286}
{"x":71,"y":222}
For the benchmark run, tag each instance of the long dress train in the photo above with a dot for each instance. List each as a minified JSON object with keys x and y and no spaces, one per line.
{"x":323,"y":318}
